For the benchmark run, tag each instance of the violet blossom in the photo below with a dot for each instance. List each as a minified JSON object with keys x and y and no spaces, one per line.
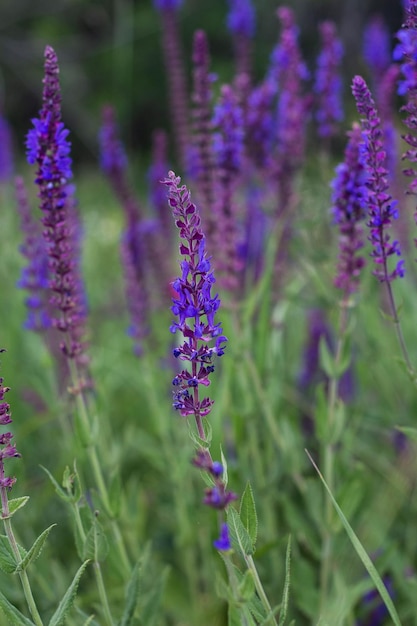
{"x":6,"y":151}
{"x":328,"y":84}
{"x":377,"y":46}
{"x":241,"y":24}
{"x":48,"y":147}
{"x":8,"y":450}
{"x":382,"y":209}
{"x":195,"y":309}
{"x":349,"y":210}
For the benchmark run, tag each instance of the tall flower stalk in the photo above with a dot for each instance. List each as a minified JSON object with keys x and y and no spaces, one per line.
{"x":381,"y":207}
{"x":195,"y":308}
{"x":8,"y":451}
{"x":49,"y":148}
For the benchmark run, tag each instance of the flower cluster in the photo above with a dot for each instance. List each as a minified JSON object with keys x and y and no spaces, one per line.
{"x":35,"y":276}
{"x":47,"y":146}
{"x":377,"y":46}
{"x":405,"y":52}
{"x":241,"y":18}
{"x":195,"y":309}
{"x":349,"y":210}
{"x":328,"y":85}
{"x":382,"y":208}
{"x":8,"y":449}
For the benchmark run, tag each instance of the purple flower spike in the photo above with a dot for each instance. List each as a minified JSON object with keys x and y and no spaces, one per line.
{"x":6,"y":152}
{"x":349,"y":201}
{"x":328,"y":85}
{"x":8,"y":450}
{"x":241,"y":18}
{"x":223,"y":542}
{"x":113,"y":157}
{"x":167,"y":5}
{"x":381,"y":206}
{"x":377,"y":46}
{"x":48,"y":147}
{"x":194,"y":306}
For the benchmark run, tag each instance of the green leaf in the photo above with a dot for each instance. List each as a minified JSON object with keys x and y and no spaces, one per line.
{"x":96,"y":546}
{"x":225,"y":475}
{"x":35,"y":550}
{"x":14,"y":505}
{"x":62,"y":494}
{"x":13,"y":614}
{"x":115,"y":494}
{"x":151,"y":603}
{"x":233,"y":616}
{"x":248,"y":514}
{"x":197,"y":440}
{"x":286,"y":591}
{"x":7,"y":558}
{"x":238,"y":533}
{"x":132,"y":597}
{"x":71,"y":482}
{"x":411,"y":433}
{"x":82,"y":430}
{"x":361,"y":552}
{"x":246,"y":586}
{"x":327,"y":361}
{"x":58,"y":617}
{"x":88,"y":621}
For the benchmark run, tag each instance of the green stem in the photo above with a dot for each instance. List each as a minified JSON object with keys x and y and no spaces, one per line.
{"x":22,"y":575}
{"x":260,"y":590}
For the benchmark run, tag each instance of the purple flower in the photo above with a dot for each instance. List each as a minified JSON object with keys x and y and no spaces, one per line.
{"x":35,"y":276}
{"x":8,"y":450}
{"x":112,"y":153}
{"x":405,"y":52}
{"x":349,"y":209}
{"x":48,"y":147}
{"x":167,"y":5}
{"x":377,"y":46}
{"x":223,"y":542}
{"x":328,"y":85}
{"x":6,"y":152}
{"x":241,"y":18}
{"x":195,"y":307}
{"x":229,"y":136}
{"x":381,"y":206}
{"x":260,"y":124}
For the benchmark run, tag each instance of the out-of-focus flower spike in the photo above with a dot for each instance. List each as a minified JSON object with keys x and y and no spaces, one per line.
{"x":241,"y":24}
{"x":175,"y":73}
{"x":228,"y":149}
{"x":201,"y":127}
{"x":156,"y":173}
{"x":6,"y":150}
{"x":328,"y":84}
{"x":382,"y":209}
{"x":377,"y":47}
{"x":34,"y":277}
{"x":349,"y":211}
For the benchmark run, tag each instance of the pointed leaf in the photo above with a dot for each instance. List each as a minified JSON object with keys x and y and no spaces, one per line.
{"x":286,"y":591}
{"x":35,"y":550}
{"x":248,"y":514}
{"x":88,"y":621}
{"x":225,"y":475}
{"x":247,"y":586}
{"x":13,"y":614}
{"x":132,"y":597}
{"x":95,"y":546}
{"x":238,"y":533}
{"x":361,"y":552}
{"x":64,"y":496}
{"x":14,"y":505}
{"x":58,"y":617}
{"x":7,"y":558}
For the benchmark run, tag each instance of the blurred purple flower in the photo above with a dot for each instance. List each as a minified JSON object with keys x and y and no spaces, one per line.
{"x":328,"y":84}
{"x":241,"y":17}
{"x":48,"y":147}
{"x":8,"y":450}
{"x":377,"y":46}
{"x":112,"y":153}
{"x":260,"y":125}
{"x":167,"y":5}
{"x":6,"y":151}
{"x":382,"y":208}
{"x":35,"y":276}
{"x":349,"y":210}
